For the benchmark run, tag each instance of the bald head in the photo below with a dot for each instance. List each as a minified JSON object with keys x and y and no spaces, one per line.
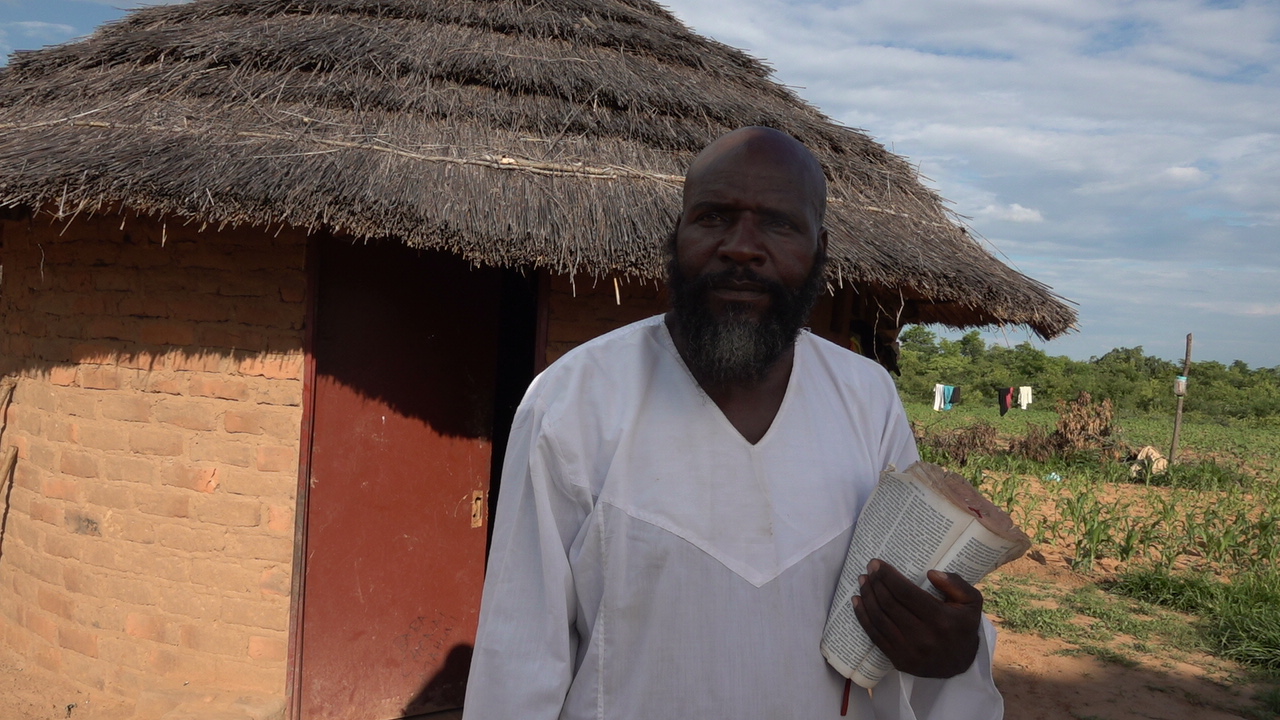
{"x":750,"y":148}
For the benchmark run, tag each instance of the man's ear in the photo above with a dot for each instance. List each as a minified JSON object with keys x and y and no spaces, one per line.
{"x":822,"y":239}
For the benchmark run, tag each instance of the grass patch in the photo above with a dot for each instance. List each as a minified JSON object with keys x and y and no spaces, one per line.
{"x":1014,"y":606}
{"x":1239,"y":619}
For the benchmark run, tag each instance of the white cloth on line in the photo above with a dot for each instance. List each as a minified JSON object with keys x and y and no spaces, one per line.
{"x":939,"y":397}
{"x":648,"y":562}
{"x":1024,"y":396}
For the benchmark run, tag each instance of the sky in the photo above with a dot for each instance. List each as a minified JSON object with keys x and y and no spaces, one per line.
{"x":1124,"y":152}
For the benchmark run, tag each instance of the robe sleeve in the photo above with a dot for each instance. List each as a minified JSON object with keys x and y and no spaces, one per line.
{"x":526,"y":642}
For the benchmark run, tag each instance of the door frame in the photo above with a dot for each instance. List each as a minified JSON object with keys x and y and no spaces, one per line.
{"x":297,"y":608}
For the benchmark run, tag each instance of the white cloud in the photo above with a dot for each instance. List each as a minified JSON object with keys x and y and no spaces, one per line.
{"x":1185,"y":174}
{"x":1140,"y":140}
{"x":1011,"y":213}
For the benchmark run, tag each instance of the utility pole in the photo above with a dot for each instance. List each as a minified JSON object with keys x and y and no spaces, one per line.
{"x":1180,"y":389}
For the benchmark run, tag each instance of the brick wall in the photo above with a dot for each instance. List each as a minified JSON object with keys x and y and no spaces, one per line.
{"x":583,"y":307}
{"x":150,"y":526}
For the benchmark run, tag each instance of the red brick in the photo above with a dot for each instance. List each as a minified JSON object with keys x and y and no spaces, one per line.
{"x":128,"y":527}
{"x":181,"y":666}
{"x":111,"y":328}
{"x":189,"y":603}
{"x":93,"y":354}
{"x":50,"y":658}
{"x":215,"y":386}
{"x":155,"y":441}
{"x":272,"y":548}
{"x":77,"y":580}
{"x":99,"y":377}
{"x":203,"y":479}
{"x":146,"y":627}
{"x":166,"y":332}
{"x":200,"y":309}
{"x":130,"y":407}
{"x":166,"y":383}
{"x":63,"y":545}
{"x":227,"y":511}
{"x":60,"y":488}
{"x":288,"y":394}
{"x":63,"y":375}
{"x":78,"y":640}
{"x":250,"y":676}
{"x":256,"y":614}
{"x":42,"y":625}
{"x":280,"y":518}
{"x":273,"y":366}
{"x":131,"y":589}
{"x":140,"y":360}
{"x":225,"y":452}
{"x":112,"y":495}
{"x":268,"y":648}
{"x":79,"y":464}
{"x":247,"y":421}
{"x":78,"y":402}
{"x":213,"y":639}
{"x":46,"y":512}
{"x":55,"y":602}
{"x":204,"y":539}
{"x":60,"y":430}
{"x":163,"y":502}
{"x":274,"y":581}
{"x":277,"y":458}
{"x":293,"y":289}
{"x":195,"y":362}
{"x":230,"y":336}
{"x":43,"y":455}
{"x":130,"y":469}
{"x":189,"y":414}
{"x":102,"y":436}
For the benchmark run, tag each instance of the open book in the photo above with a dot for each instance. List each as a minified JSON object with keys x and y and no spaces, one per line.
{"x":920,"y":519}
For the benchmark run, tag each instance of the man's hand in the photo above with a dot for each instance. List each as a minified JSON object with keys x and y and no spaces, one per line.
{"x":922,"y":635}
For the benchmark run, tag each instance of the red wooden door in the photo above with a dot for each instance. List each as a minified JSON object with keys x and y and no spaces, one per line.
{"x":405,"y":351}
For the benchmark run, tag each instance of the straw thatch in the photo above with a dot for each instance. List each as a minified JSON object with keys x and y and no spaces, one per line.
{"x":551,"y":133}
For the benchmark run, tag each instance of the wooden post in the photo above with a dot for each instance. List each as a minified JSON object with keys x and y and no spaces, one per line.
{"x":1180,"y":384}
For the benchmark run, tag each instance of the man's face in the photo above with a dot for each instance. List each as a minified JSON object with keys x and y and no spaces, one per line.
{"x":747,"y":259}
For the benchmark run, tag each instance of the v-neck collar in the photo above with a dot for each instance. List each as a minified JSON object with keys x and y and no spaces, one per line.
{"x":670,"y":344}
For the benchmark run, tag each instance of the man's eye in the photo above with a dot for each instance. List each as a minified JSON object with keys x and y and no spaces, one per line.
{"x":710,"y":218}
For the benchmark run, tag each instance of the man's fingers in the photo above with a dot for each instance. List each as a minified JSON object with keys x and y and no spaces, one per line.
{"x":955,"y":589}
{"x":881,"y":629}
{"x":897,"y":590}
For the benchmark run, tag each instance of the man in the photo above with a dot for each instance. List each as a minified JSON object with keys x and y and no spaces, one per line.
{"x":678,"y":495}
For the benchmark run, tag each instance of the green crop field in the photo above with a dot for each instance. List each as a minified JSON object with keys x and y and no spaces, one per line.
{"x":1200,"y":538}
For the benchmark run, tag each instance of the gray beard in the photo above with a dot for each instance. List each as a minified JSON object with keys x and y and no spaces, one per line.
{"x":736,"y":348}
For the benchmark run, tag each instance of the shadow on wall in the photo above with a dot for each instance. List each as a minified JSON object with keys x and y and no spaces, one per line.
{"x":129,"y":303}
{"x":448,"y":682}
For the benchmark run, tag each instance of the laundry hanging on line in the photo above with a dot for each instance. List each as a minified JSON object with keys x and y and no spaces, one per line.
{"x":944,"y":396}
{"x":1024,"y":396}
{"x":1005,"y":397}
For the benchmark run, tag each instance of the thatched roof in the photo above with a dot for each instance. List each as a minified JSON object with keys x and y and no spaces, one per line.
{"x":551,"y":133}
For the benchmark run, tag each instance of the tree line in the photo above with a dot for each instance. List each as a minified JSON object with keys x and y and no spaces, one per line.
{"x":1134,"y":381}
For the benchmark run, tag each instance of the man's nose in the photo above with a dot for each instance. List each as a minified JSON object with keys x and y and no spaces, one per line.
{"x":744,"y":243}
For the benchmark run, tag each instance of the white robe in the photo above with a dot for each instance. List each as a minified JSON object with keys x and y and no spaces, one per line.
{"x":648,"y":562}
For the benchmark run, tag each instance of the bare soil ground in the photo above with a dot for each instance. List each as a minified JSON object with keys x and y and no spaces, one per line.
{"x":1049,"y":679}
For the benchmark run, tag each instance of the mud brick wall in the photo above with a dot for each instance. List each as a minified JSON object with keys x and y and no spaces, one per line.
{"x":149,"y":536}
{"x":582,"y":307}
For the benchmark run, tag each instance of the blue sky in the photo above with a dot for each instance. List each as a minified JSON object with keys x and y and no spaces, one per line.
{"x":1125,"y":152}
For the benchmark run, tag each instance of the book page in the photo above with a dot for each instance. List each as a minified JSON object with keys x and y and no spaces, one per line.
{"x":906,"y":525}
{"x":977,"y":552}
{"x":917,"y":520}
